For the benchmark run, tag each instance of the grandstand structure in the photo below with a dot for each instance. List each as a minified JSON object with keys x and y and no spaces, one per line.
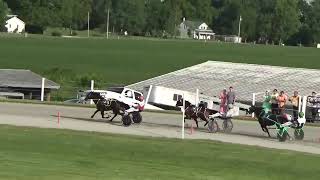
{"x":212,"y":76}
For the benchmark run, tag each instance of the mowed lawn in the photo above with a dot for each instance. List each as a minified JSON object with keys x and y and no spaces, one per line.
{"x":30,"y":153}
{"x":127,"y":61}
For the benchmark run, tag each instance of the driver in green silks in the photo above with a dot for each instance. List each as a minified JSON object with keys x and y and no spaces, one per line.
{"x":266,"y":105}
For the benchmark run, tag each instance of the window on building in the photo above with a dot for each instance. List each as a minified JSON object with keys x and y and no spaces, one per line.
{"x":177,"y":97}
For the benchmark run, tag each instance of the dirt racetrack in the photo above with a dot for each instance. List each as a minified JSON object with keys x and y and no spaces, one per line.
{"x":154,"y":124}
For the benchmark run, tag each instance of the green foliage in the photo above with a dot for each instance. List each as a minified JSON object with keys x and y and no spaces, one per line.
{"x":56,"y":33}
{"x":264,"y":21}
{"x":3,"y":12}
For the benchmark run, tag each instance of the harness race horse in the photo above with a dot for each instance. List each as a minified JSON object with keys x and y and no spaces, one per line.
{"x":103,"y":105}
{"x":193,"y":112}
{"x":281,"y":122}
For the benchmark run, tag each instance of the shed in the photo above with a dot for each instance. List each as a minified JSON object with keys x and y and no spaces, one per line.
{"x":25,"y":82}
{"x":15,"y":25}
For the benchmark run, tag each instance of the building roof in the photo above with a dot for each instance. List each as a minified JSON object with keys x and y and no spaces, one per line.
{"x":213,"y":76}
{"x":24,"y":79}
{"x":193,"y":25}
{"x":15,"y":19}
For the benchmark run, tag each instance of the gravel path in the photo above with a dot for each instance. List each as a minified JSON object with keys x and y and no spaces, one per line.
{"x":154,"y":124}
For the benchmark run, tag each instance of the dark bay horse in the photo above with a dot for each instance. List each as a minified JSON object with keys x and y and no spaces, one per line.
{"x":267,"y":119}
{"x":103,"y":105}
{"x":193,"y":112}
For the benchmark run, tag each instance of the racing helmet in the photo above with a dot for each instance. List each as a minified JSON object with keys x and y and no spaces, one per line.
{"x":128,"y":94}
{"x":301,"y":114}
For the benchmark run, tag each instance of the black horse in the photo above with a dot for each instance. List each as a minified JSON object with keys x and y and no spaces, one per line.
{"x":267,"y":119}
{"x":193,"y":112}
{"x":103,"y":105}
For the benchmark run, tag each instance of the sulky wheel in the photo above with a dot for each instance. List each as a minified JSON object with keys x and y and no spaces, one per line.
{"x":126,"y":120}
{"x":282,"y":135}
{"x":213,"y":126}
{"x":227,"y":125}
{"x":298,"y":134}
{"x":136,"y":117}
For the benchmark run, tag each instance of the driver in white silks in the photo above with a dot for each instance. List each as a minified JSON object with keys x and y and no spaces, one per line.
{"x":232,"y":110}
{"x":132,"y":107}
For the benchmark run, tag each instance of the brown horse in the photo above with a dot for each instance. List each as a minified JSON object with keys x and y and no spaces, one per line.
{"x":193,"y":112}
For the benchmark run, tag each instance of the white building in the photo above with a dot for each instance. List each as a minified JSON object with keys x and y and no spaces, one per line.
{"x":195,"y":29}
{"x":15,"y":25}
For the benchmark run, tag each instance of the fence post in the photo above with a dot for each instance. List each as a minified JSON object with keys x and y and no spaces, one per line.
{"x":148,"y":95}
{"x":92,"y":85}
{"x":300,"y":104}
{"x":197,"y":97}
{"x":253,"y":102}
{"x":42,"y":89}
{"x":304,"y":106}
{"x":183,"y":114}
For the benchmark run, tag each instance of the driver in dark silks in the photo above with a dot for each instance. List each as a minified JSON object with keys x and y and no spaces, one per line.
{"x":314,"y":109}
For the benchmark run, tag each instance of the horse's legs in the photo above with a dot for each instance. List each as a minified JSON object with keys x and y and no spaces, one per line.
{"x":195,"y":119}
{"x":206,"y":123}
{"x":115,"y":114}
{"x":102,"y":114}
{"x":95,"y":113}
{"x":203,"y":117}
{"x":267,"y":131}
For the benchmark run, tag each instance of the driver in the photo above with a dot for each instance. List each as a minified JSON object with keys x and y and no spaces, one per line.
{"x":132,"y":107}
{"x":266,"y":105}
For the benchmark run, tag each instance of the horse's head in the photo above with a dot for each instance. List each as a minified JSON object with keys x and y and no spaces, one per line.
{"x":251,"y":110}
{"x":93,"y":95}
{"x":202,"y":107}
{"x":179,"y":102}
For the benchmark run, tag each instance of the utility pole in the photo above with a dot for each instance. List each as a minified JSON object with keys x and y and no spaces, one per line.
{"x":108,"y":23}
{"x":88,"y":24}
{"x":240,"y":19}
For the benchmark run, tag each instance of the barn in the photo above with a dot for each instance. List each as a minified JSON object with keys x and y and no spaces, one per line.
{"x":24,"y":84}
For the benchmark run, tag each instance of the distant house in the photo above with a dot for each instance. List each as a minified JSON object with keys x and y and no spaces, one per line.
{"x":14,"y":24}
{"x":195,"y":30}
{"x":24,"y":84}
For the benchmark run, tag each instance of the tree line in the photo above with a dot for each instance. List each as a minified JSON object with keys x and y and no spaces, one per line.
{"x":264,"y":21}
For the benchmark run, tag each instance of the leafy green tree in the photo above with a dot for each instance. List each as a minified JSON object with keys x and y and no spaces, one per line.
{"x":314,"y":21}
{"x":100,"y":13}
{"x":199,"y":10}
{"x":129,"y":16}
{"x":264,"y":20}
{"x":304,"y":35}
{"x":228,"y":18}
{"x":286,"y":20}
{"x":3,"y":12}
{"x":74,"y":13}
{"x":249,"y":14}
{"x":156,"y":17}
